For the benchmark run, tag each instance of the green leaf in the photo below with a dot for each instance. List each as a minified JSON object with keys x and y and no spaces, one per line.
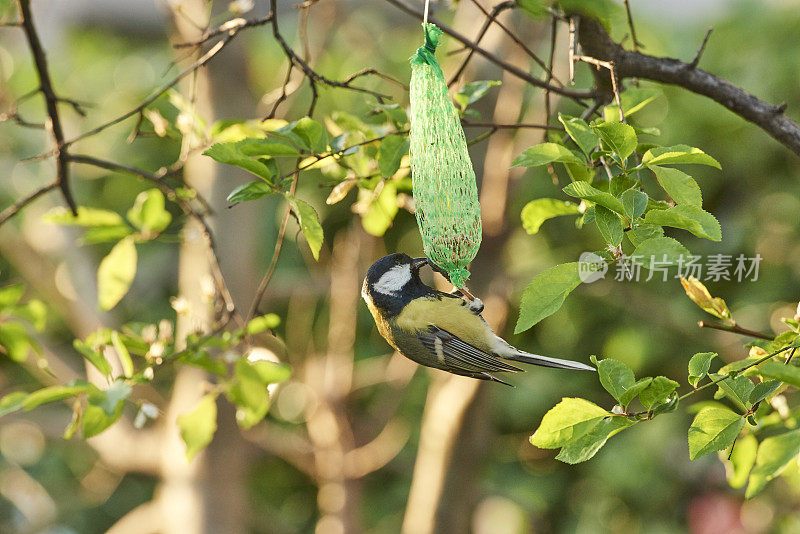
{"x":394,"y":113}
{"x":713,"y":429}
{"x":86,"y":217}
{"x":601,"y":198}
{"x":616,"y":378}
{"x":773,"y":455}
{"x":262,"y":323}
{"x":619,"y":137}
{"x":249,"y":393}
{"x":567,"y":421}
{"x":762,"y":390}
{"x":380,"y":211}
{"x":266,"y":147}
{"x":105,"y":234}
{"x":12,"y":402}
{"x":10,"y":295}
{"x":610,"y":225}
{"x":670,"y":155}
{"x":309,"y":223}
{"x":198,"y":426}
{"x":111,"y":399}
{"x":390,"y":153}
{"x":537,"y":211}
{"x":123,"y":354}
{"x":94,"y":357}
{"x":633,"y":100}
{"x":621,"y":183}
{"x":272,"y":372}
{"x":699,"y":365}
{"x":95,"y":419}
{"x":55,"y":393}
{"x":15,"y":341}
{"x":777,"y":370}
{"x":639,"y":235}
{"x":580,"y":132}
{"x":604,"y":11}
{"x":232,"y":154}
{"x":657,"y":392}
{"x":311,"y":132}
{"x":250,"y":191}
{"x":634,"y":203}
{"x":689,"y":218}
{"x":546,"y":153}
{"x":148,"y":213}
{"x":737,"y":389}
{"x":471,"y":92}
{"x":116,"y":273}
{"x":534,"y":8}
{"x":35,"y":312}
{"x":659,"y":251}
{"x":546,"y":293}
{"x":203,"y":360}
{"x":742,"y":458}
{"x":681,"y":187}
{"x":586,"y":446}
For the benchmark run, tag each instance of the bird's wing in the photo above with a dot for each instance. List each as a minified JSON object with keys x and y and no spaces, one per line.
{"x":456,"y":353}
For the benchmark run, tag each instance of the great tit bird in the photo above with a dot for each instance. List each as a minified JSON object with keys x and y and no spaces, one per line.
{"x":437,"y":329}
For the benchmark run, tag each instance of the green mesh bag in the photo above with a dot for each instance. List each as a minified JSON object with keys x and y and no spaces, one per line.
{"x":445,"y":194}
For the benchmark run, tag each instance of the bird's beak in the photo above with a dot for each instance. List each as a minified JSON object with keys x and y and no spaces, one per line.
{"x":417,"y":263}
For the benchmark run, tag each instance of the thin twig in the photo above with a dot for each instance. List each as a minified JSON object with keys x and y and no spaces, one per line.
{"x":312,"y":75}
{"x":636,"y":43}
{"x":187,"y":208}
{"x":696,"y":60}
{"x":493,"y":18}
{"x":596,"y":42}
{"x":51,"y":101}
{"x":736,"y":329}
{"x":499,"y":8}
{"x":232,"y":32}
{"x":12,"y":210}
{"x":614,"y":86}
{"x":550,"y":63}
{"x":737,"y":373}
{"x":511,"y":69}
{"x":225,"y":27}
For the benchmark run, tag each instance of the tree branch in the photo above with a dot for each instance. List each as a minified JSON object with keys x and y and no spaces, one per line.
{"x":577,"y":94}
{"x":596,"y":42}
{"x":51,"y":101}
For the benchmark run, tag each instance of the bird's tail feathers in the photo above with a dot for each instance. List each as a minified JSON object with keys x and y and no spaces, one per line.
{"x":545,"y":361}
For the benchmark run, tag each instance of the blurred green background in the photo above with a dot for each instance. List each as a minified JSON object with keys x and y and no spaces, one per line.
{"x":641,"y":481}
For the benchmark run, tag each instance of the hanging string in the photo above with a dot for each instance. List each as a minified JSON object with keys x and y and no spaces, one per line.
{"x":425,"y":18}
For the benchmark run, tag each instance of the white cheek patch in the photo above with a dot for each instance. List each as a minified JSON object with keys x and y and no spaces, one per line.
{"x":393,"y":280}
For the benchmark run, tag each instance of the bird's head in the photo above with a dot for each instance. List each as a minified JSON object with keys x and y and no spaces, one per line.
{"x":393,"y":281}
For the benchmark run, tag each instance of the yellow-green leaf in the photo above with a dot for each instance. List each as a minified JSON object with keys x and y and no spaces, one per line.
{"x":198,"y":426}
{"x":116,"y":273}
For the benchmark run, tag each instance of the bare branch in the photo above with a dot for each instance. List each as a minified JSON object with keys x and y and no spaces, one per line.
{"x":493,"y":18}
{"x":224,"y":28}
{"x":519,"y":73}
{"x":12,"y":210}
{"x":596,"y":42}
{"x":187,"y":208}
{"x":499,"y":8}
{"x":232,"y":32}
{"x":312,"y":75}
{"x":51,"y":101}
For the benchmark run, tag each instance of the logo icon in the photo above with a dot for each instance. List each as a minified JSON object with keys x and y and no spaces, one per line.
{"x":591,"y":267}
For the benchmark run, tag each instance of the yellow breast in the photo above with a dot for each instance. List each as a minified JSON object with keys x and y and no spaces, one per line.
{"x":448,"y":314}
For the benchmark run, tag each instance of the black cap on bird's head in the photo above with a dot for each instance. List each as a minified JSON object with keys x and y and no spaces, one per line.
{"x":393,"y":281}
